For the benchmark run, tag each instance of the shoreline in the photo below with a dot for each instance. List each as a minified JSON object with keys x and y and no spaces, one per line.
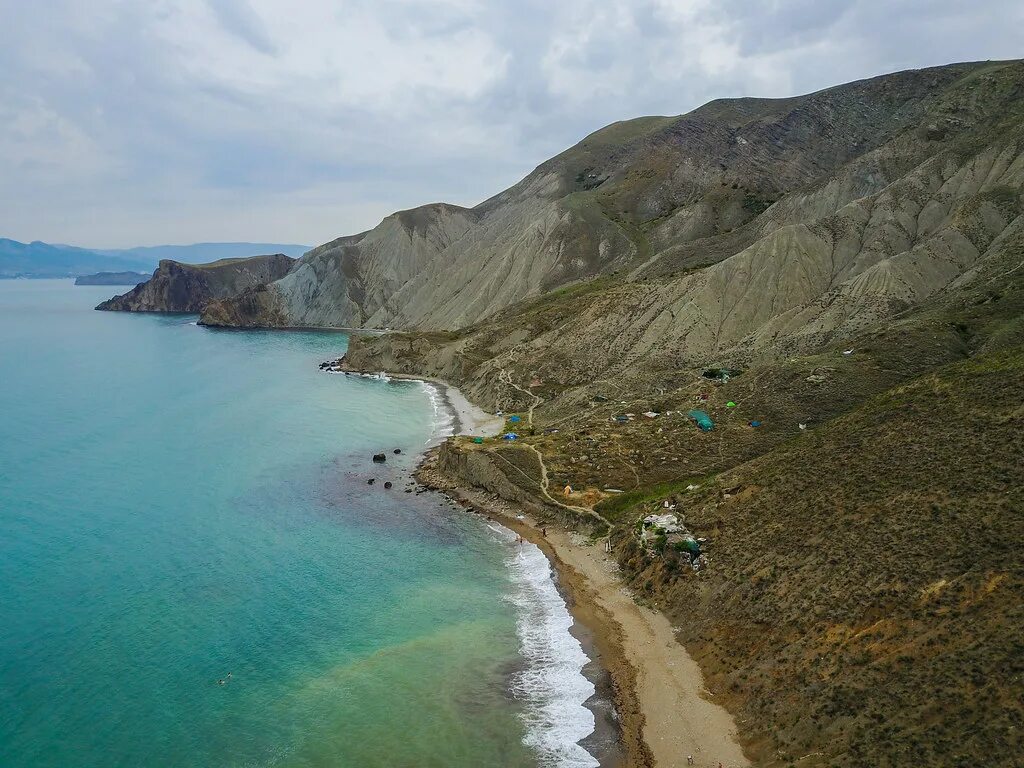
{"x":662,"y":709}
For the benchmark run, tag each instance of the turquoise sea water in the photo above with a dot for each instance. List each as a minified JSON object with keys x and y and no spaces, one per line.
{"x":178,"y":503}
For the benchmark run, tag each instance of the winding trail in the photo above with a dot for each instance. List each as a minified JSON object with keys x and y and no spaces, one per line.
{"x":679,"y":716}
{"x":506,"y":378}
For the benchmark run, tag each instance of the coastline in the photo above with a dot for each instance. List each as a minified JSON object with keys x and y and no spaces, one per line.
{"x":664,"y":712}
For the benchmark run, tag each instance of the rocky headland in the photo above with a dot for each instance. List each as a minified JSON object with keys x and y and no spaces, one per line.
{"x":178,"y":287}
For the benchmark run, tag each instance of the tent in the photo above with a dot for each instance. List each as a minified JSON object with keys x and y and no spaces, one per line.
{"x":478,"y":440}
{"x":690,"y":544}
{"x":514,"y":419}
{"x":703,"y":420}
{"x":730,"y":404}
{"x":509,"y":436}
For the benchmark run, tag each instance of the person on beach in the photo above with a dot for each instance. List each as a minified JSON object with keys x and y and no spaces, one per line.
{"x":543,"y":531}
{"x":689,"y":759}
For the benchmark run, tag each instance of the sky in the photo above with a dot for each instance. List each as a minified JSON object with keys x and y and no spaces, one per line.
{"x":139,"y":122}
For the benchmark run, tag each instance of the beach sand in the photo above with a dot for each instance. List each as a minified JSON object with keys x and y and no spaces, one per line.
{"x":467,"y":419}
{"x":470,"y":419}
{"x":664,"y":710}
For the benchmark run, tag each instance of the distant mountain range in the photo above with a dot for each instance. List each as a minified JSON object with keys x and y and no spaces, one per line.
{"x":113,"y":278}
{"x":38,"y":259}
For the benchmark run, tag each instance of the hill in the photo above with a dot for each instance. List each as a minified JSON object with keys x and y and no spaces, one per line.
{"x":856,"y":263}
{"x":39,"y":260}
{"x":44,"y":260}
{"x":660,"y":200}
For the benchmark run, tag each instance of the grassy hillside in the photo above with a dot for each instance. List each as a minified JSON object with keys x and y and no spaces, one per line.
{"x":863,"y":602}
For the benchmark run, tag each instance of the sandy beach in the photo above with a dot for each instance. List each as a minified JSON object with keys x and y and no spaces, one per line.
{"x":665,"y":712}
{"x":467,"y":419}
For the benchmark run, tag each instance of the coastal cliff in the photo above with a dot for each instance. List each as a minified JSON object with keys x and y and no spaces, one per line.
{"x":177,"y":287}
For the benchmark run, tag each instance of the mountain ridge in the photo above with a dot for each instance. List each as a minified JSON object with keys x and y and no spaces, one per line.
{"x":634,"y":197}
{"x":49,"y":260}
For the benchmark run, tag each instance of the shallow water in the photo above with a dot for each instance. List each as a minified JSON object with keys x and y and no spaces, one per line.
{"x":178,"y":503}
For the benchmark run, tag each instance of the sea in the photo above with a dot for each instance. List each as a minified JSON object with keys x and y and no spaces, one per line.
{"x":195,"y":571}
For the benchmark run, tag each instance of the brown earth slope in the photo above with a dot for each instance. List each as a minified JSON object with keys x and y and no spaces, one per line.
{"x":862,"y":599}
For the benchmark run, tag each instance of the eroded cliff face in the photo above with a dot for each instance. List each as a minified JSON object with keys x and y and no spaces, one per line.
{"x":177,"y":287}
{"x":642,"y":199}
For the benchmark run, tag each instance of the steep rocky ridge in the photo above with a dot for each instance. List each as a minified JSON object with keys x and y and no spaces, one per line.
{"x":645,"y":196}
{"x":177,"y":287}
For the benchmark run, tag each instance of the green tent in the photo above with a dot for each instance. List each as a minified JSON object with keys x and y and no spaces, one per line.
{"x":703,"y":420}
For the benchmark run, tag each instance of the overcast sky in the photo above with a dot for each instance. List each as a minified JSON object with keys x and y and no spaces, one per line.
{"x":136,"y":122}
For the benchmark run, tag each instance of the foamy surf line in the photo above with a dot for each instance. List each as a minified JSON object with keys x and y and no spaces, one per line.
{"x":443,"y":425}
{"x":552,"y":685}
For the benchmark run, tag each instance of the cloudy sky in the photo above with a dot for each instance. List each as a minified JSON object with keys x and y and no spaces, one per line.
{"x":136,"y":122}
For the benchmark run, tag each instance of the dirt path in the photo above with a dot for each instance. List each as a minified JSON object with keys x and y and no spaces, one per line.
{"x":679,"y":718}
{"x":506,"y":378}
{"x":544,"y":482}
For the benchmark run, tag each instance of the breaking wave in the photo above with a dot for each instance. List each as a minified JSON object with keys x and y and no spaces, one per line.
{"x":443,"y":424}
{"x":552,"y":685}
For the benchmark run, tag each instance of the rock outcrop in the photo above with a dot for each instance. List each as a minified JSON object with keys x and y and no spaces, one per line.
{"x":177,"y":287}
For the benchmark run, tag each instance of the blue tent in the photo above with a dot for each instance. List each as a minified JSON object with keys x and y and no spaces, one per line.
{"x":514,"y":419}
{"x":509,"y":436}
{"x":703,"y":420}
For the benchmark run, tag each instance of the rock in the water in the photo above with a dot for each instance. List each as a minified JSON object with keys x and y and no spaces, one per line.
{"x":370,"y":481}
{"x":397,"y":451}
{"x":380,"y":458}
{"x":387,"y":484}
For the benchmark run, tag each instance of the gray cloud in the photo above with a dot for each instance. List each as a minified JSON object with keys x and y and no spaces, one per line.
{"x":125,"y":123}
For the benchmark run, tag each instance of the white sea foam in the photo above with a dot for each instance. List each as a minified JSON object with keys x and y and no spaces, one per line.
{"x":443,"y":419}
{"x":552,"y":685}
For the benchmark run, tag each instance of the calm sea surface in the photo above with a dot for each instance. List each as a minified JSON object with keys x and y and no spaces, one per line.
{"x":178,"y":504}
